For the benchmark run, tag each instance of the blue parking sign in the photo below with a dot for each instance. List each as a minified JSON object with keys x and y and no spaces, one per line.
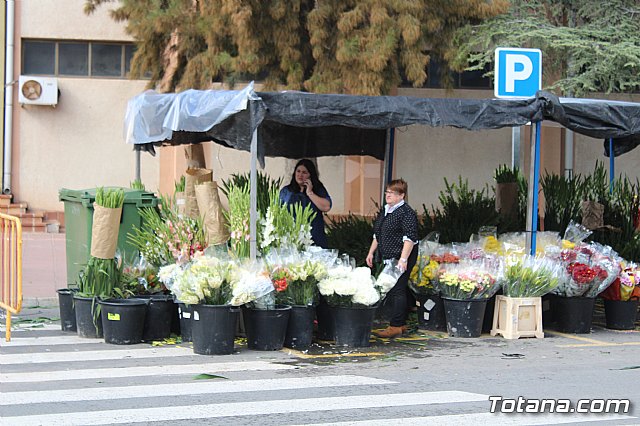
{"x":518,"y":72}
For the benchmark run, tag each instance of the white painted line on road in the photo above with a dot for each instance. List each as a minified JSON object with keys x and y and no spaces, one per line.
{"x":48,"y":341}
{"x":46,"y":357}
{"x":154,"y":370}
{"x":489,"y":419}
{"x":246,"y":408}
{"x":177,"y":389}
{"x":19,"y":327}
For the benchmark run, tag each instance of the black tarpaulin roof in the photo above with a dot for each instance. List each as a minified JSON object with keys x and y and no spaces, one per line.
{"x":296,"y":124}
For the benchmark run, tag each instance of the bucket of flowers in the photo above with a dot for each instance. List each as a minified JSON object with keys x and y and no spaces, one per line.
{"x":588,"y":270}
{"x":205,"y":284}
{"x":465,"y":288}
{"x":621,"y":298}
{"x":295,"y":276}
{"x":352,"y":298}
{"x":429,"y":303}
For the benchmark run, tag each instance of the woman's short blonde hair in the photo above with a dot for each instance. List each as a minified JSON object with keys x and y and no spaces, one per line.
{"x":398,"y":185}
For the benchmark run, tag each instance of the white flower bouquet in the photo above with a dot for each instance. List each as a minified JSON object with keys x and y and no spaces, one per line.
{"x":204,"y":280}
{"x":345,"y":286}
{"x":251,"y":285}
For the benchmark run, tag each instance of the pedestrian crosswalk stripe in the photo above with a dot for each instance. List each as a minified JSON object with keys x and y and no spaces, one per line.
{"x":46,"y":357}
{"x":178,"y":389}
{"x":49,"y":341}
{"x":246,"y":408}
{"x":145,"y":371}
{"x":490,"y":419}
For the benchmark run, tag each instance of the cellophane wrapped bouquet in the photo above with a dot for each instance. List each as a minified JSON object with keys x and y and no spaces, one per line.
{"x":476,"y":275}
{"x":251,"y":285}
{"x":295,"y":274}
{"x":388,"y":277}
{"x":348,"y":286}
{"x":205,"y":279}
{"x":588,"y":270}
{"x":141,"y":277}
{"x":529,"y":276}
{"x":514,"y":243}
{"x":423,"y":273}
{"x":626,"y":286}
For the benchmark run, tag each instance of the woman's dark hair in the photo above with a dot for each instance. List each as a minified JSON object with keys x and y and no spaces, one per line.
{"x":318,"y":187}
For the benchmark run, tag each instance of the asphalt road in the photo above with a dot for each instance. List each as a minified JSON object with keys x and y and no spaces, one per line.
{"x":50,"y":377}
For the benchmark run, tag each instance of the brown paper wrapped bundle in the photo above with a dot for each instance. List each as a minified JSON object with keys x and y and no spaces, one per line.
{"x":104,"y":231}
{"x":194,"y":177}
{"x":592,"y":215}
{"x":211,"y":209}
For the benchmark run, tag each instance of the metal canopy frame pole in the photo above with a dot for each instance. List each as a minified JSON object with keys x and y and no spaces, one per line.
{"x":534,"y":178}
{"x":138,"y":165}
{"x":387,"y":166}
{"x":612,"y":170}
{"x":253,"y":213}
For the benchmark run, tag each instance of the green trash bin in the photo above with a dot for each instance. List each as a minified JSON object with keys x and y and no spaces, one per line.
{"x":78,"y":217}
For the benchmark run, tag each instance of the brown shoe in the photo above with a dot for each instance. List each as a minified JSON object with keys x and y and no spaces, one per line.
{"x":391,"y":332}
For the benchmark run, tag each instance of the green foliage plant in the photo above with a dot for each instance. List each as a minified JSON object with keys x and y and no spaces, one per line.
{"x":463,"y":211}
{"x":506,"y":174}
{"x":351,"y":234}
{"x":562,"y":197}
{"x":265,"y":186}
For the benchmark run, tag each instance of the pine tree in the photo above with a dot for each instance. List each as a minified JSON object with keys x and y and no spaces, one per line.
{"x":587,"y":46}
{"x":328,"y":46}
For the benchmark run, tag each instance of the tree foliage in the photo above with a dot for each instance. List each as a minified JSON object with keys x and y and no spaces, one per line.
{"x":329,"y":46}
{"x":588,"y":46}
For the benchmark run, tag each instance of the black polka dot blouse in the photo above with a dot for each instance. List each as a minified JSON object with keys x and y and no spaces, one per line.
{"x":390,"y":229}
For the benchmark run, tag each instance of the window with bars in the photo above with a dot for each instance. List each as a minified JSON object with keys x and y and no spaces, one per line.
{"x":77,"y":58}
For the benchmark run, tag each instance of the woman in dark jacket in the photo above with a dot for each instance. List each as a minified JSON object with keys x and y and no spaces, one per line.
{"x":395,"y":236}
{"x":305,"y":188}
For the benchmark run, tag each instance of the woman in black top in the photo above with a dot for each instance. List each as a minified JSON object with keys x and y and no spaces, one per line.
{"x":395,"y":236}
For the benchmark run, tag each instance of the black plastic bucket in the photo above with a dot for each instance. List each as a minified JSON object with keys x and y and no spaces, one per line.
{"x":123,"y":320}
{"x":185,"y":312}
{"x":300,"y":327}
{"x":431,"y":312}
{"x":160,"y":312}
{"x":67,"y":309}
{"x":548,"y":306}
{"x":266,"y":329}
{"x":621,"y":315}
{"x":353,"y":325}
{"x":573,"y":314}
{"x":464,"y":317}
{"x":487,"y":319}
{"x":324,"y":316}
{"x":213,"y":329}
{"x":85,"y":325}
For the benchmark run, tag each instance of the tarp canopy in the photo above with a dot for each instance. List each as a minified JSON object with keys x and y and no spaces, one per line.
{"x":296,"y":124}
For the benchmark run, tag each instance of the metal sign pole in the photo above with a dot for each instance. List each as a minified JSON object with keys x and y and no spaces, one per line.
{"x":612,"y":172}
{"x":253,"y":212}
{"x":534,"y":178}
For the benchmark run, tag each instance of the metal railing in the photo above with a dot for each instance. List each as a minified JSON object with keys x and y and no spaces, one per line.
{"x":10,"y":268}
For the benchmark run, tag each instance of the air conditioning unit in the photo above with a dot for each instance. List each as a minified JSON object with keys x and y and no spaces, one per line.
{"x":37,"y":90}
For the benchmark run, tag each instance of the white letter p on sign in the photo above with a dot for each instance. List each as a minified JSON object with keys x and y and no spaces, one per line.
{"x":512,"y":74}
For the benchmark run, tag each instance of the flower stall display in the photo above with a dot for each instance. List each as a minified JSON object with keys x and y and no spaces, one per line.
{"x":626,"y":286}
{"x":238,"y":219}
{"x":423,"y":273}
{"x":142,"y":278}
{"x":621,"y":298}
{"x":295,"y":274}
{"x":589,"y":270}
{"x":468,"y":280}
{"x":286,"y":225}
{"x":528,"y":276}
{"x":167,"y":235}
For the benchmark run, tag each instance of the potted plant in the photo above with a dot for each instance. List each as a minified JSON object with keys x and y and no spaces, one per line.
{"x":352,"y":297}
{"x":507,"y":188}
